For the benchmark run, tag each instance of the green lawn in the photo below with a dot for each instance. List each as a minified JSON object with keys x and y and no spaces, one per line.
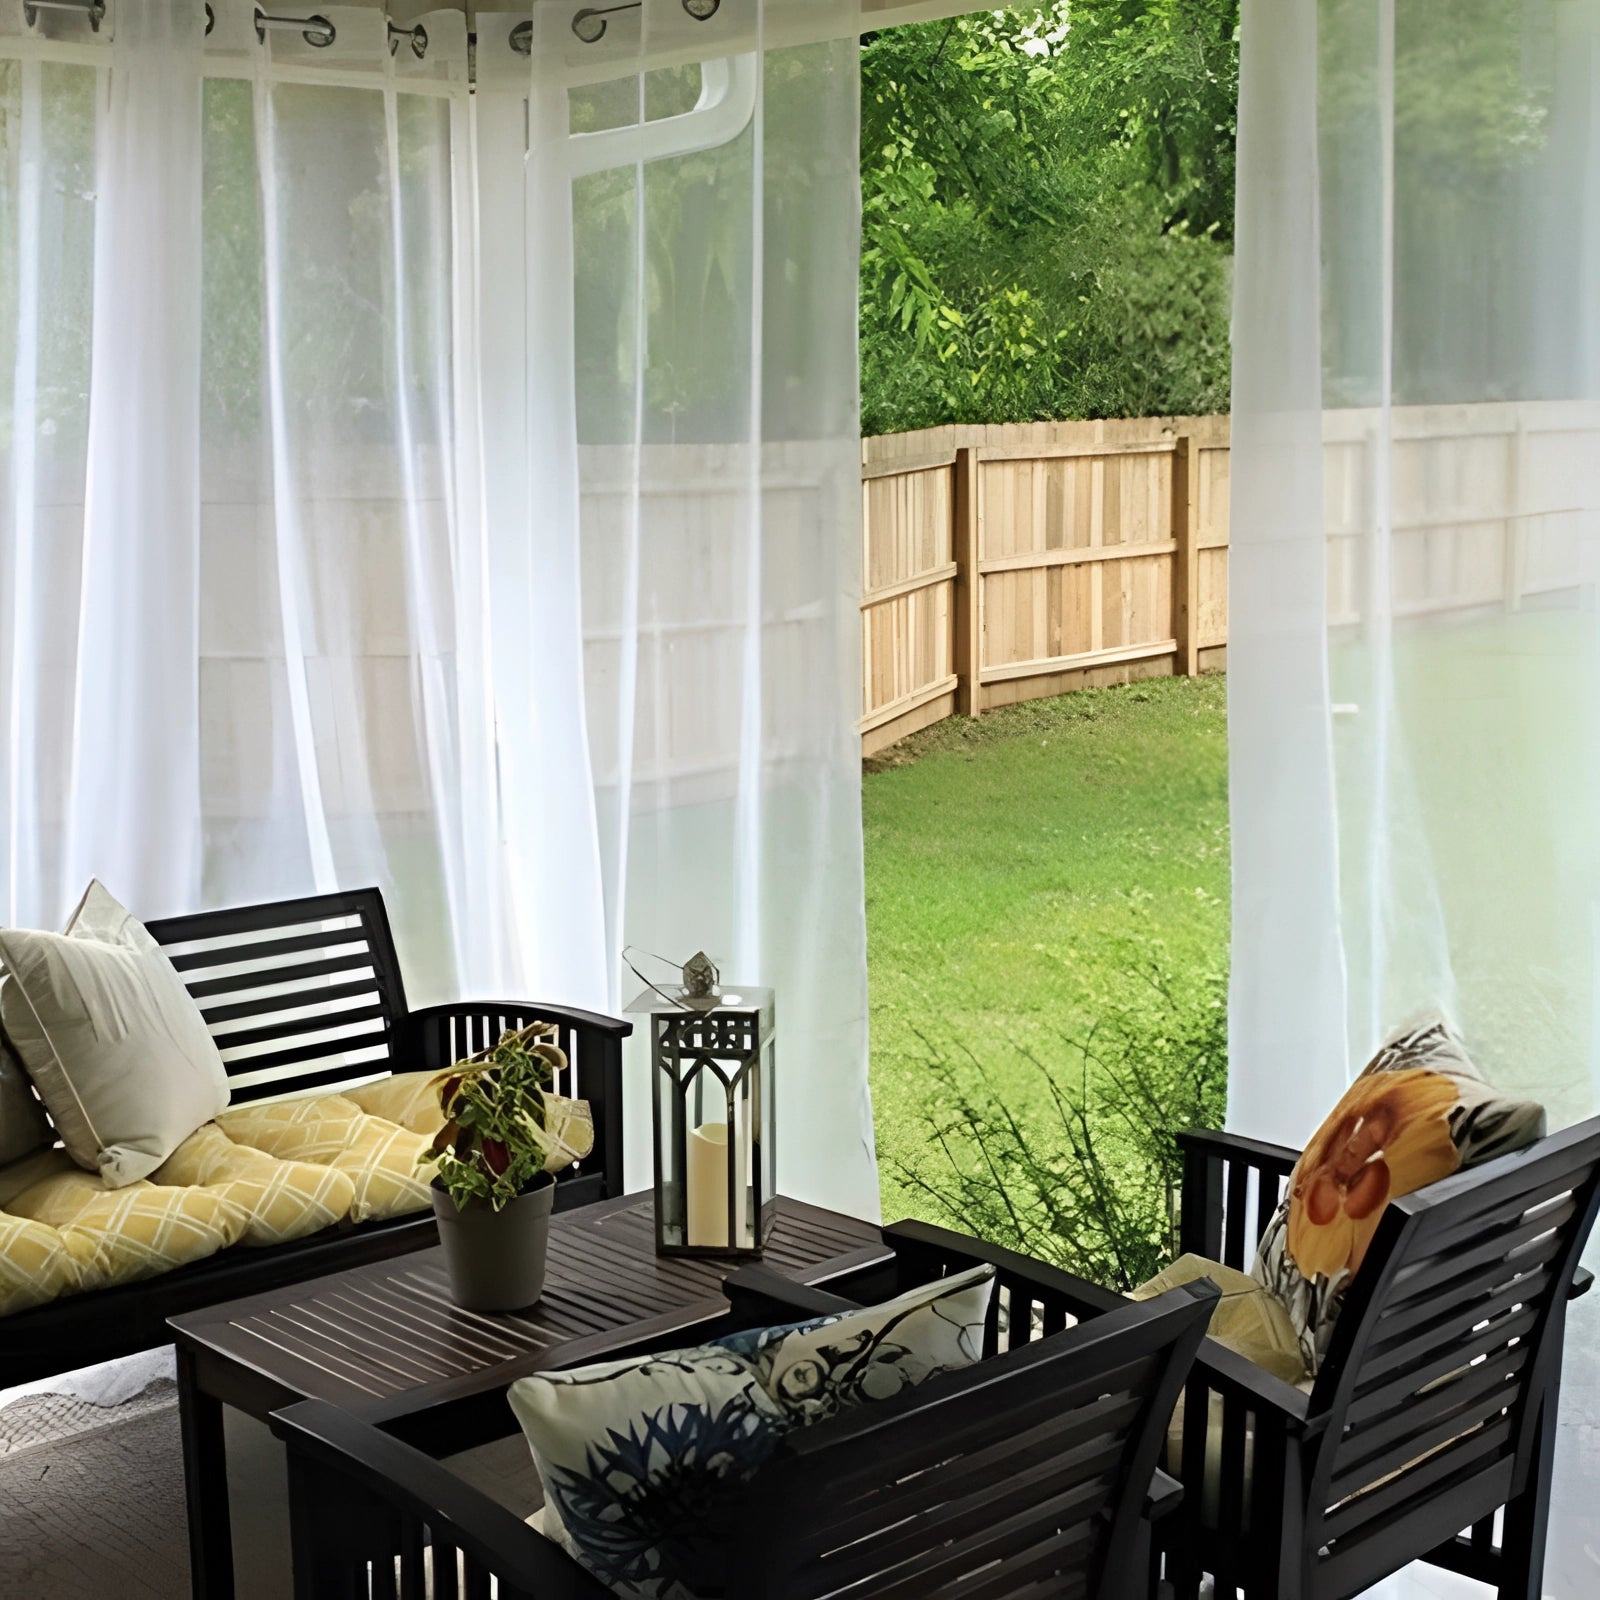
{"x":1012,"y":862}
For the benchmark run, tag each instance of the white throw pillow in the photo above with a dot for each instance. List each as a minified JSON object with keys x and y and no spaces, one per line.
{"x":642,"y":1460}
{"x":118,"y":1051}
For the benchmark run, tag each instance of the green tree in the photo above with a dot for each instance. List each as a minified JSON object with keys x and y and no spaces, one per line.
{"x":1048,"y":213}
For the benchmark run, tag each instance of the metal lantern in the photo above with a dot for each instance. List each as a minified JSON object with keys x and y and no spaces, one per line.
{"x":715,"y":1131}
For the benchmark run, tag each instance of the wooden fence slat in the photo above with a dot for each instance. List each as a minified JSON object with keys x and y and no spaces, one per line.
{"x":968,"y":641}
{"x":1186,"y":565}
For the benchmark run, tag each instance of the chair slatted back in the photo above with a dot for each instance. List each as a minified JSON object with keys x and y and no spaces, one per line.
{"x":1021,"y":1476}
{"x":1448,"y":1343}
{"x":298,"y":995}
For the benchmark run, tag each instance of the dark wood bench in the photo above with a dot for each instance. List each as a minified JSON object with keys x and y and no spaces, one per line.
{"x":1031,"y":1473}
{"x":1434,"y":1411}
{"x":304,"y":996}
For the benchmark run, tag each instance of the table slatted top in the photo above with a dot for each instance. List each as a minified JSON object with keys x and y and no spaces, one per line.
{"x":366,"y":1337}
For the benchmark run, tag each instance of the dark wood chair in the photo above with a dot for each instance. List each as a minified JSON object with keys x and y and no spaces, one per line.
{"x":1433,"y":1415}
{"x":302,"y":996}
{"x":1031,"y":1474}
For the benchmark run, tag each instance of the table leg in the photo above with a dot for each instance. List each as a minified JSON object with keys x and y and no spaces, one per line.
{"x":205,"y":1485}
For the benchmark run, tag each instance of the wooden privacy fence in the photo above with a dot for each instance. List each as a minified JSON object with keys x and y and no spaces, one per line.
{"x":1007,"y":563}
{"x":1002,"y":564}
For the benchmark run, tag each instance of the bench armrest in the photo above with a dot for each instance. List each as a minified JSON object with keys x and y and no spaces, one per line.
{"x":349,"y":1479}
{"x":928,"y":1251}
{"x":487,"y":1013}
{"x":761,"y":1297}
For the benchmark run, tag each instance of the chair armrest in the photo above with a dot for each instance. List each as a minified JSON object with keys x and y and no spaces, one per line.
{"x":1229,"y":1373}
{"x":1165,"y":1496}
{"x":760,"y":1297}
{"x":402,"y":1478}
{"x":1257,"y":1153}
{"x":922,"y":1244}
{"x":1582,"y":1283}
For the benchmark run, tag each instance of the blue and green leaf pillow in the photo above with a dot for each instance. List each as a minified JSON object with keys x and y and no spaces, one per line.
{"x":642,"y":1460}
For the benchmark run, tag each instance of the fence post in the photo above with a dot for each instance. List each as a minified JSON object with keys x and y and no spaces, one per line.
{"x":1186,"y":561}
{"x":968,"y":661}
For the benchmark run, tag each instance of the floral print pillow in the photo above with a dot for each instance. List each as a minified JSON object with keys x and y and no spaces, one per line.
{"x":1418,"y":1113}
{"x":642,"y":1460}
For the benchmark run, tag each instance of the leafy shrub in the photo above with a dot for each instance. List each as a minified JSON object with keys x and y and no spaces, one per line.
{"x":1048,"y":213}
{"x":1092,"y":1185}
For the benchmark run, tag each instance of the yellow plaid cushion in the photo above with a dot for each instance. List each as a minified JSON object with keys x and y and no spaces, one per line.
{"x":314,"y":1128}
{"x":137,"y":1231}
{"x":410,"y":1100}
{"x":383,"y":1161}
{"x":283,"y":1200}
{"x":331,"y":1130}
{"x":36,"y":1264}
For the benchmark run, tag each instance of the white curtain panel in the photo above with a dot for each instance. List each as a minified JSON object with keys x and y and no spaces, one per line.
{"x":449,"y":489}
{"x":692,"y":245}
{"x":1414,"y":653}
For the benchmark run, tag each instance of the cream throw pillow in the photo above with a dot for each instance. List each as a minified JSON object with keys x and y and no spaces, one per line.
{"x":118,"y":1051}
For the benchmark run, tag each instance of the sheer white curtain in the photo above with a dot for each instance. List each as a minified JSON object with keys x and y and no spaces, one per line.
{"x":240,"y":654}
{"x":1414,"y":672}
{"x":692,"y":237}
{"x":451,"y":491}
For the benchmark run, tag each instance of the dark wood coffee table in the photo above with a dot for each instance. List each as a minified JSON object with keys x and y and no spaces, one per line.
{"x":385,"y":1340}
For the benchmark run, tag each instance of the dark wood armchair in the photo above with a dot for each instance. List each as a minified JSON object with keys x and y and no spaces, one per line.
{"x":1031,"y":1474}
{"x":1435,"y":1407}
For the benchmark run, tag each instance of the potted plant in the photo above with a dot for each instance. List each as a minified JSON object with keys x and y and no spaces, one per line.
{"x":505,"y":1136}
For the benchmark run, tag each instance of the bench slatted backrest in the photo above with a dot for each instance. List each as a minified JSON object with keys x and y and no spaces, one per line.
{"x":300,"y":995}
{"x":1023,"y":1476}
{"x":1443,"y":1353}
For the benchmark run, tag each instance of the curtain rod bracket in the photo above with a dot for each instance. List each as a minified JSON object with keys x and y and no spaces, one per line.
{"x":95,"y":10}
{"x":316,"y":31}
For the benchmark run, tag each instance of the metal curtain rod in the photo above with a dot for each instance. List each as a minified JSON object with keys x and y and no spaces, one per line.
{"x":590,"y":23}
{"x":316,"y":30}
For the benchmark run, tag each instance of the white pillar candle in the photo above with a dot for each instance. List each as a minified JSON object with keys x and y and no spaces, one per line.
{"x":708,"y":1187}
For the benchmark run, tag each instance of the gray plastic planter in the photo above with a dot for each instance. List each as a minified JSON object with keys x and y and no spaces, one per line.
{"x":496,"y":1259}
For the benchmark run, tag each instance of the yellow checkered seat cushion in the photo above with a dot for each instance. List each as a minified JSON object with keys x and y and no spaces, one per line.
{"x":380,"y":1158}
{"x":37,"y":1264}
{"x":137,"y":1231}
{"x":282,"y":1200}
{"x":260,"y":1175}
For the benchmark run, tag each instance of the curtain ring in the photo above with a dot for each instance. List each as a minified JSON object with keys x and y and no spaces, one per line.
{"x":417,"y":35}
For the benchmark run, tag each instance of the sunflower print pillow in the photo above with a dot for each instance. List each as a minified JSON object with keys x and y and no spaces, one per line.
{"x":1419,"y":1112}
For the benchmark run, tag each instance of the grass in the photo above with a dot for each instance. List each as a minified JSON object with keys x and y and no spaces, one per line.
{"x":1012,"y":862}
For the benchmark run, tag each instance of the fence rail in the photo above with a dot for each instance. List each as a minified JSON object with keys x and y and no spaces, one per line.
{"x":1003,"y":564}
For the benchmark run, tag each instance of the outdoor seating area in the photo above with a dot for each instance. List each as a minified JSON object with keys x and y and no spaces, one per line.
{"x":797,"y":800}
